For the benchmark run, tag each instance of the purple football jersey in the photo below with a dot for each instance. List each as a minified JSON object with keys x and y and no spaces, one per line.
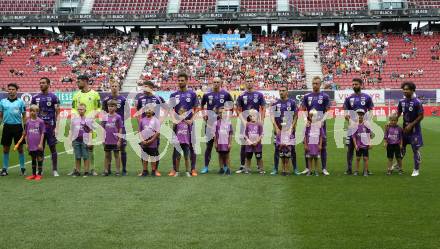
{"x":411,"y":109}
{"x":312,"y":135}
{"x":253,"y":132}
{"x":358,"y":101}
{"x":186,"y":100}
{"x":363,"y":136}
{"x":183,"y":133}
{"x":111,"y":125}
{"x":81,"y":127}
{"x":285,"y":138}
{"x":318,"y":101}
{"x":148,"y":127}
{"x":393,"y":135}
{"x":214,"y":100}
{"x":251,"y":101}
{"x":121,"y":100}
{"x":222,"y":132}
{"x":34,"y":130}
{"x":284,"y":111}
{"x":144,"y":100}
{"x":46,"y":103}
{"x":355,"y":102}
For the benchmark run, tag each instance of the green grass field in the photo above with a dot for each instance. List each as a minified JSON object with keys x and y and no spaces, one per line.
{"x":241,"y":211}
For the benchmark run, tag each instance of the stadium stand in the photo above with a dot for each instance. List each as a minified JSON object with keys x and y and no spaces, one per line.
{"x":328,"y":5}
{"x":381,"y":61}
{"x":423,"y":4}
{"x":188,"y":6}
{"x":26,"y":6}
{"x":345,"y":57}
{"x":192,"y":6}
{"x":420,"y":64}
{"x":271,"y":60}
{"x":26,"y":60}
{"x":258,"y":5}
{"x":129,"y":6}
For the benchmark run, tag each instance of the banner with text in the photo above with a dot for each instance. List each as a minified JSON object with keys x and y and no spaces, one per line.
{"x":232,"y":40}
{"x":378,"y":96}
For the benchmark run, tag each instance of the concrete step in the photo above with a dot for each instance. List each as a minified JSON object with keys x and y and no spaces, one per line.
{"x":135,"y":70}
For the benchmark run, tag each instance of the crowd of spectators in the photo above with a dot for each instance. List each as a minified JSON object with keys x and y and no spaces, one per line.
{"x":361,"y":54}
{"x":271,"y":61}
{"x":103,"y":59}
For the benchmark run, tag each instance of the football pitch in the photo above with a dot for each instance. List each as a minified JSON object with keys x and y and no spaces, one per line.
{"x":239,"y":211}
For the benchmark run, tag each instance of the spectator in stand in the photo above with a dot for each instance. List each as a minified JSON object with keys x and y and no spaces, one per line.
{"x":143,"y":45}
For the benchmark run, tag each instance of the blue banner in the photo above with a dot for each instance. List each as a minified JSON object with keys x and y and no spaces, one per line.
{"x":210,"y":40}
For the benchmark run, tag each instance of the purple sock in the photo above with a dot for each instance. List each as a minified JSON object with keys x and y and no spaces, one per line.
{"x":307,"y":162}
{"x":324,"y":157}
{"x":350,"y":152}
{"x":243,"y":155}
{"x":193,"y":158}
{"x":293,"y":155}
{"x":276,"y":158}
{"x":54,"y":156}
{"x":208,"y":152}
{"x":175,"y":155}
{"x":417,"y":157}
{"x":124,"y":160}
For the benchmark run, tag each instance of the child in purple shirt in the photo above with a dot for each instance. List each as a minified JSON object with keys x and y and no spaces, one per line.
{"x":313,"y":139}
{"x":112,"y":125}
{"x":149,"y":132}
{"x":223,"y":140}
{"x":182,"y":138}
{"x":34,"y":134}
{"x":393,"y":143}
{"x":362,"y":143}
{"x":253,"y":134}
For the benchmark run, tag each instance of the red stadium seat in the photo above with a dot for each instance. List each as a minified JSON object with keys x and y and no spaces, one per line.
{"x":421,"y":60}
{"x":327,"y":5}
{"x":191,"y":6}
{"x":421,"y":4}
{"x":129,"y":7}
{"x":26,"y":6}
{"x":20,"y":58}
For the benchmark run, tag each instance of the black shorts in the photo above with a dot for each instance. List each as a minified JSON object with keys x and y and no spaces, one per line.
{"x":223,"y":153}
{"x":185,"y":149}
{"x":12,"y":132}
{"x":151,"y":151}
{"x":111,"y":147}
{"x":37,"y":153}
{"x":258,"y":155}
{"x":284,"y":152}
{"x":362,"y":152}
{"x":393,"y":151}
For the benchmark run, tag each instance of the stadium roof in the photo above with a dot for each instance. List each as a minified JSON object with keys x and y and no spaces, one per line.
{"x":358,"y":16}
